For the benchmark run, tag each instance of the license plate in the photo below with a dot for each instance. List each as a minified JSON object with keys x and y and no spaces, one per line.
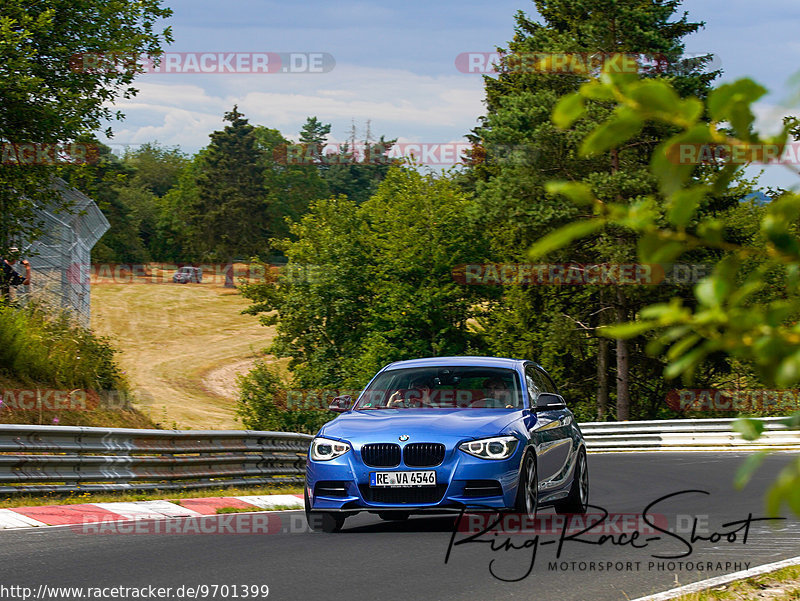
{"x":398,"y":479}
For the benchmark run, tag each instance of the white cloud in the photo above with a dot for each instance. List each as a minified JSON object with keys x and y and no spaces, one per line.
{"x":177,"y":111}
{"x":769,"y":117}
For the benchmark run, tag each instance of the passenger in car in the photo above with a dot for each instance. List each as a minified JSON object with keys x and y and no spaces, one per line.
{"x":418,"y":394}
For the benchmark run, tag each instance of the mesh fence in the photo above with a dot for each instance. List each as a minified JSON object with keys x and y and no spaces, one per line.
{"x":60,"y":259}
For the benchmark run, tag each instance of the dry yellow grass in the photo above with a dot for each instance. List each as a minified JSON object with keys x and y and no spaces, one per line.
{"x":181,"y":347}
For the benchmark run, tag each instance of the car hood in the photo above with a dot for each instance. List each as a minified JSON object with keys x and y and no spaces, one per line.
{"x":385,"y":425}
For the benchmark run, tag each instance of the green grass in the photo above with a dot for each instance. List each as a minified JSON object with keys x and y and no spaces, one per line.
{"x":104,"y":411}
{"x":45,"y":350}
{"x":39,"y":344}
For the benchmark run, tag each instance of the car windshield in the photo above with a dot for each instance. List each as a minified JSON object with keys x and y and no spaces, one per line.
{"x":443,"y":388}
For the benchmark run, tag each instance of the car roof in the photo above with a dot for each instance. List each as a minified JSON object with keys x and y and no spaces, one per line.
{"x":464,"y":360}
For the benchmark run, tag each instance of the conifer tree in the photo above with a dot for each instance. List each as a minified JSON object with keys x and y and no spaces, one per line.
{"x":231,"y":216}
{"x":517,"y":148}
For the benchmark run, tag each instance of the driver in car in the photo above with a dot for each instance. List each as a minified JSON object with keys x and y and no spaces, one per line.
{"x":496,"y":394}
{"x":418,"y":394}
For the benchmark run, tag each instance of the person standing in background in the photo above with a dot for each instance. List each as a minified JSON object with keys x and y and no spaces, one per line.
{"x":9,"y":276}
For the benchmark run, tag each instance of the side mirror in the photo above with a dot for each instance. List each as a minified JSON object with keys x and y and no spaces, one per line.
{"x":548,"y":401}
{"x":340,"y":404}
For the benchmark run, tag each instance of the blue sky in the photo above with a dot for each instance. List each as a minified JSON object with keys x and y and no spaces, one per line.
{"x":395,"y":66}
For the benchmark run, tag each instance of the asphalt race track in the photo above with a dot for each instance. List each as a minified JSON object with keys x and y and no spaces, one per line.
{"x":375,"y":560}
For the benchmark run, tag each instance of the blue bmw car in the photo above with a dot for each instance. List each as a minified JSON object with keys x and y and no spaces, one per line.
{"x":447,"y":434}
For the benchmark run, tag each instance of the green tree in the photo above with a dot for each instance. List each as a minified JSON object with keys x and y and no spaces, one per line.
{"x":358,"y":176}
{"x":517,"y":149}
{"x":263,"y":405}
{"x":420,"y":231}
{"x":50,"y":97}
{"x":230,"y":216}
{"x":371,"y":283}
{"x":354,"y":170}
{"x":315,"y":133}
{"x":313,"y":138}
{"x":174,"y":239}
{"x":144,"y":209}
{"x":320,"y":300}
{"x":290,"y":188}
{"x":155,"y":168}
{"x":105,"y":183}
{"x":748,"y":308}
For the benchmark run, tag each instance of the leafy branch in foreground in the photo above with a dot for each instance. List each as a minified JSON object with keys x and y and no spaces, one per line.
{"x":749,"y":307}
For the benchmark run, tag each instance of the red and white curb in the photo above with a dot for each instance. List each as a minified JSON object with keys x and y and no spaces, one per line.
{"x":60,"y":515}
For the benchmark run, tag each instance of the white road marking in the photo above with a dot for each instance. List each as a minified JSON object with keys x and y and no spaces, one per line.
{"x":12,"y":519}
{"x":720,"y":580}
{"x":269,"y":501}
{"x":148,"y":509}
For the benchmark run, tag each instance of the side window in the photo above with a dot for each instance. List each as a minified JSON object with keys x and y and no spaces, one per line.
{"x":546,"y":382}
{"x":532,"y":382}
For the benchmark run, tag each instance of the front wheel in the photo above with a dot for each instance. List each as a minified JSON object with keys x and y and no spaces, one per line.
{"x":578,"y":499}
{"x":528,"y":489}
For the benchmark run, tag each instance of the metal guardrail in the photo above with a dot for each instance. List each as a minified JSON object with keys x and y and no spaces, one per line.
{"x":62,"y":459}
{"x":686,"y":435}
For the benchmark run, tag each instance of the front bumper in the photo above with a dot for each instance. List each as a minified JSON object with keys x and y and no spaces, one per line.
{"x":348,"y":477}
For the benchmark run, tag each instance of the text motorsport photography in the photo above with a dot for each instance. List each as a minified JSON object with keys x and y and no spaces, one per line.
{"x":513,"y":542}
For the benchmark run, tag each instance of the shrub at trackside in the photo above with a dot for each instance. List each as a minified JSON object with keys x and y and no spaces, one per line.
{"x":44,"y":349}
{"x":263,"y":405}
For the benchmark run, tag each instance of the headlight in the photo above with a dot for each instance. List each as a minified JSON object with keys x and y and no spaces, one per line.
{"x":325,"y":449}
{"x":498,"y":447}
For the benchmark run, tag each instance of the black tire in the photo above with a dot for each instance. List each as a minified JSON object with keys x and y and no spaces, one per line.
{"x":527,"y":501}
{"x":578,"y":499}
{"x":322,"y":521}
{"x":397,"y":516}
